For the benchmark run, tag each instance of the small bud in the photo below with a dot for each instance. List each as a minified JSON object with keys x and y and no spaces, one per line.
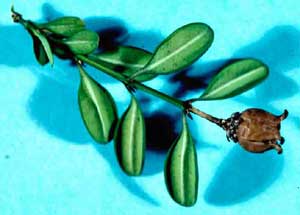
{"x":15,"y":15}
{"x":256,"y":130}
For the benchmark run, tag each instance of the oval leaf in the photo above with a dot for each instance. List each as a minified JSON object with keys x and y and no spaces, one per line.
{"x":83,"y":42}
{"x":39,"y":39}
{"x":97,"y":108}
{"x":130,"y":140}
{"x":235,"y":79}
{"x":181,"y":170}
{"x":180,"y":49}
{"x":126,"y":60}
{"x":64,"y":26}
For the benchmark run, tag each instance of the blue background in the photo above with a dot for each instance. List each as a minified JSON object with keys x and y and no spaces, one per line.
{"x":50,"y":165}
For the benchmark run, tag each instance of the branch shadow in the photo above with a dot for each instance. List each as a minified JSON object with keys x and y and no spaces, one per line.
{"x":53,"y":106}
{"x":196,"y":77}
{"x":243,"y":175}
{"x":160,"y":134}
{"x":278,"y":48}
{"x":127,"y":181}
{"x":162,"y":129}
{"x":53,"y":103}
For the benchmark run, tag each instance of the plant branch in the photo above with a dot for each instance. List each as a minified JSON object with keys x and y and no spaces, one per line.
{"x":204,"y":115}
{"x":135,"y":84}
{"x":183,"y":105}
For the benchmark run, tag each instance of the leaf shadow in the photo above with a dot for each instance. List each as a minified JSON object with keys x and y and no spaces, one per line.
{"x":195,"y":77}
{"x":128,"y":182}
{"x":162,"y":129}
{"x":53,"y":103}
{"x":278,"y":48}
{"x":112,"y":31}
{"x":243,"y":175}
{"x":53,"y":106}
{"x":160,"y":134}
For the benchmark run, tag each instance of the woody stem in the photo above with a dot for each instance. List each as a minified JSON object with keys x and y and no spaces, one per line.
{"x":204,"y":115}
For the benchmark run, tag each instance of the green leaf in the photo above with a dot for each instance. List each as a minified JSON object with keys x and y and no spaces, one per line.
{"x":180,"y":49}
{"x":83,"y":42}
{"x":97,"y":108}
{"x":130,"y":140}
{"x":39,"y":39}
{"x":181,"y":170}
{"x":126,"y":60}
{"x":39,"y":51}
{"x":235,"y":79}
{"x":64,"y":26}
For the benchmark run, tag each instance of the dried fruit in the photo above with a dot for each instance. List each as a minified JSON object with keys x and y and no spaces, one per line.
{"x":255,"y":130}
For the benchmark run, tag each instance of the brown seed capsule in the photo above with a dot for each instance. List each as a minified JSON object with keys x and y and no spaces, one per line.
{"x":255,"y":130}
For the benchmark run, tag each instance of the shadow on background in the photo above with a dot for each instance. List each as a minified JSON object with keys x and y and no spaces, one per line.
{"x":54,"y":107}
{"x":161,"y":131}
{"x":53,"y":104}
{"x":243,"y":175}
{"x":125,"y":180}
{"x":196,"y":77}
{"x":279,"y":48}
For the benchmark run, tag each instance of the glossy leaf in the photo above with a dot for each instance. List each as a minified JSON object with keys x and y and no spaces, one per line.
{"x":39,"y":51}
{"x":181,"y":170}
{"x":235,"y":79}
{"x":83,"y":42}
{"x":40,"y":42}
{"x":126,"y":60}
{"x":130,"y":140}
{"x":97,"y":108}
{"x":180,"y":49}
{"x":64,"y":26}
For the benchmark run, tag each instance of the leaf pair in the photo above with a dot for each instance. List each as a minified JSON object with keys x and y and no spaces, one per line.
{"x":176,"y":52}
{"x":75,"y":36}
{"x":65,"y":26}
{"x":126,"y":60}
{"x":99,"y":114}
{"x":65,"y":34}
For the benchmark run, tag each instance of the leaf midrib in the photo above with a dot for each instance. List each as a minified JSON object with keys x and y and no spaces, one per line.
{"x":157,"y":63}
{"x":119,"y":62}
{"x":79,"y":42}
{"x":223,"y":87}
{"x":96,"y":104}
